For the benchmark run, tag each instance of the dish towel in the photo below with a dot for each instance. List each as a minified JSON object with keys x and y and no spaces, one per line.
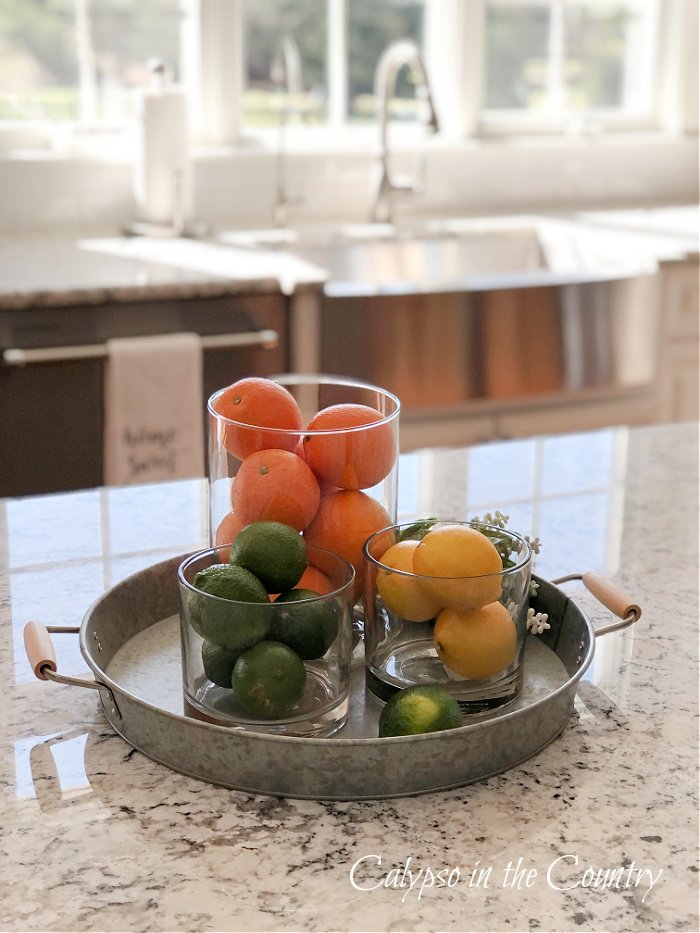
{"x":154,"y":414}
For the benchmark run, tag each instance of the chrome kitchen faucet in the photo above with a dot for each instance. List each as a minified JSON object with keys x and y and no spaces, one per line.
{"x":399,"y":54}
{"x":285,"y":73}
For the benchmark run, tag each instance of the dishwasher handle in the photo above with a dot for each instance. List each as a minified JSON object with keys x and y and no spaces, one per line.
{"x":267,"y":339}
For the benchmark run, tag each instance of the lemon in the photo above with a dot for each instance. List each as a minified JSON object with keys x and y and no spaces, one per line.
{"x":274,"y":552}
{"x":304,"y":622}
{"x":419,"y":709}
{"x":267,"y":680}
{"x":461,"y":567}
{"x":234,"y":613}
{"x":218,"y":663}
{"x":404,"y":595}
{"x":477,"y":643}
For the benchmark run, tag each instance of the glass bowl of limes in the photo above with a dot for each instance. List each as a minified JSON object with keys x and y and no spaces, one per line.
{"x":266,"y":625}
{"x":445,"y":604}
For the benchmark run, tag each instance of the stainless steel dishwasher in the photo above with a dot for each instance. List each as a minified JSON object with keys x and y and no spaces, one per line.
{"x":51,"y":375}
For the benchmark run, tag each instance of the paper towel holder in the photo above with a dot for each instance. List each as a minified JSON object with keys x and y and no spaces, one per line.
{"x":179,"y":225}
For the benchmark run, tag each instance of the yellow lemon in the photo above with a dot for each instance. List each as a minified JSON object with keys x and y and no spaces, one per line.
{"x":461,"y":567}
{"x":402,"y":595}
{"x":478,"y":643}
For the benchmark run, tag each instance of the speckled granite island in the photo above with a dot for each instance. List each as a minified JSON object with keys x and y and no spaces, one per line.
{"x":597,"y":832}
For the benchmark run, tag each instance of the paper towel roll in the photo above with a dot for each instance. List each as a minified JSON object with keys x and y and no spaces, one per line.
{"x":162,"y":172}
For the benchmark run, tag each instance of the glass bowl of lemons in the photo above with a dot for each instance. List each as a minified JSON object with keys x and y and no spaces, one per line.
{"x":266,"y":625}
{"x":445,"y":604}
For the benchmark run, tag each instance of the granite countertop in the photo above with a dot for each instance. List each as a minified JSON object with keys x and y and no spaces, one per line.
{"x":62,"y":270}
{"x":58,"y":271}
{"x":95,"y":836}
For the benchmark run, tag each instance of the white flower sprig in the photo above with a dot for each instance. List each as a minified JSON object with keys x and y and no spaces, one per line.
{"x":537,"y":622}
{"x":499,"y":519}
{"x":535,"y":544}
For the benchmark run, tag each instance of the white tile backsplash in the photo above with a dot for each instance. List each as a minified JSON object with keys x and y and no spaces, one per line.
{"x":51,"y":194}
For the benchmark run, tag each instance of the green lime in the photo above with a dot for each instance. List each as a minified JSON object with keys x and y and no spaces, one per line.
{"x":305,"y":622}
{"x":274,"y":552}
{"x":217,"y":618}
{"x":419,"y":709}
{"x":218,"y":663}
{"x":267,"y":680}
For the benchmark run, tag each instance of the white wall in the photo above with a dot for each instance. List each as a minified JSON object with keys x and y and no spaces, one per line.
{"x":54,"y":193}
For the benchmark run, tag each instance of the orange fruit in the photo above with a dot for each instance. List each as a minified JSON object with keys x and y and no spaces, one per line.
{"x":345,"y":519}
{"x":260,"y":403}
{"x":477,"y":643}
{"x":459,"y":566}
{"x":401,"y":594}
{"x":228,"y":528}
{"x":346,"y":458}
{"x":275,"y":485}
{"x":316,"y":580}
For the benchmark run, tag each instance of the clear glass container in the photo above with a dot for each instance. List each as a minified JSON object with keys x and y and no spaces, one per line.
{"x":300,"y":652}
{"x":334,"y":484}
{"x":465,"y":634}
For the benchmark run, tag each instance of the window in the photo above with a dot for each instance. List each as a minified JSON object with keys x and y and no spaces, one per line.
{"x":77,"y":61}
{"x":559,"y":59}
{"x":303,"y":55}
{"x":249,"y":64}
{"x":371,"y":27}
{"x":286,"y":61}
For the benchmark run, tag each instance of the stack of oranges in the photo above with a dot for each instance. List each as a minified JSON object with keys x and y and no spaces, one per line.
{"x":311,"y":477}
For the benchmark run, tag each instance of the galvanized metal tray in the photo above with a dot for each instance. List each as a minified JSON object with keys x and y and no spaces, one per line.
{"x":130,"y":639}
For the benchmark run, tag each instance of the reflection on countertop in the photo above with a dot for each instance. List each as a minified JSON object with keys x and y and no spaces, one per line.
{"x":96,"y":836}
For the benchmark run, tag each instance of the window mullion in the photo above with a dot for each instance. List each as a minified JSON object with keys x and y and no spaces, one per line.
{"x":676,"y":98}
{"x":86,"y":63}
{"x":454,"y":48}
{"x":556,"y":92}
{"x":213,"y":63}
{"x":337,"y":62}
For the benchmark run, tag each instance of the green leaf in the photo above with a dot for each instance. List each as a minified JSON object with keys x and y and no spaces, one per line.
{"x":417,"y":531}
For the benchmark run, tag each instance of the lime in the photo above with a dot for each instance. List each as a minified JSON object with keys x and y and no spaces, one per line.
{"x":217,"y":618}
{"x":267,"y":680}
{"x":305,"y":622}
{"x":419,"y":709}
{"x":218,"y":663}
{"x":274,"y":552}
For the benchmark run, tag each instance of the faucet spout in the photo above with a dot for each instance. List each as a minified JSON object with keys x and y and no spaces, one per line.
{"x":397,"y":55}
{"x":285,"y":72}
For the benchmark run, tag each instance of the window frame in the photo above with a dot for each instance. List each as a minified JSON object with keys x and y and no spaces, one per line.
{"x":213,"y":71}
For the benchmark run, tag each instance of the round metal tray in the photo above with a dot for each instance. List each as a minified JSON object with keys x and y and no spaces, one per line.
{"x":130,"y":639}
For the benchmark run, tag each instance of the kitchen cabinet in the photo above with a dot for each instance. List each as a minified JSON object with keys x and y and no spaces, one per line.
{"x":51,"y":412}
{"x":579,"y":416}
{"x":678,"y":347}
{"x":478,"y":424}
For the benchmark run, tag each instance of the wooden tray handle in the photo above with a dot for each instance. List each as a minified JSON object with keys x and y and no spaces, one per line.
{"x":39,"y":648}
{"x":611,"y":596}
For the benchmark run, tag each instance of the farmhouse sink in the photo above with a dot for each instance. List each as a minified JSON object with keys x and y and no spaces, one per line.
{"x":450,"y":255}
